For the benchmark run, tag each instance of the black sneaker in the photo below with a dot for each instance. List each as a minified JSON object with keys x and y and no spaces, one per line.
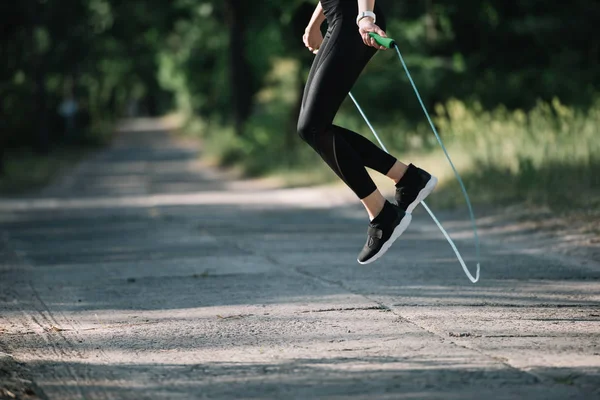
{"x":413,"y":188}
{"x":383,"y":232}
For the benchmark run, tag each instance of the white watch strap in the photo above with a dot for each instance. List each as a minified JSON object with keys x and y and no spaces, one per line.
{"x":365,"y":14}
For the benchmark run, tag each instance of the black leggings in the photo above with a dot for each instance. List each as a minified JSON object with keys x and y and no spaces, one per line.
{"x":338,"y":64}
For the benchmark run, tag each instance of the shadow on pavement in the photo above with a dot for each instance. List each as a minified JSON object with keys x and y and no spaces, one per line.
{"x":348,"y":378}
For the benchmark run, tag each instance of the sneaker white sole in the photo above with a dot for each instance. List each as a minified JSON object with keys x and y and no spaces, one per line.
{"x":399,"y":230}
{"x":426,"y":191}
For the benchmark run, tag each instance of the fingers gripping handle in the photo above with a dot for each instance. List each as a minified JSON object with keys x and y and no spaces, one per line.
{"x":385,"y":42}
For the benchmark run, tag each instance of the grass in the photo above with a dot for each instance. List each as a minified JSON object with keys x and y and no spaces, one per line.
{"x":548,"y":156}
{"x":26,"y":171}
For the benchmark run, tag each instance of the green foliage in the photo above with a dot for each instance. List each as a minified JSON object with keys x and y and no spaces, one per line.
{"x":549,"y":155}
{"x":238,"y":69}
{"x":497,"y":71}
{"x":100,"y":52}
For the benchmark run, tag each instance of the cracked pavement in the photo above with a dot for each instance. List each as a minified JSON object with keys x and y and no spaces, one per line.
{"x":146,"y":275}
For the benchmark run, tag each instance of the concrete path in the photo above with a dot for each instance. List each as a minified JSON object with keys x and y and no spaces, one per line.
{"x":144,"y":276}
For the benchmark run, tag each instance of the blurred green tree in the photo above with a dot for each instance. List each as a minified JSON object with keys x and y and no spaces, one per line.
{"x":211,"y":58}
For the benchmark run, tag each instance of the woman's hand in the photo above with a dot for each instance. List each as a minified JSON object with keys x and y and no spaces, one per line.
{"x":367,"y":25}
{"x":313,"y":38}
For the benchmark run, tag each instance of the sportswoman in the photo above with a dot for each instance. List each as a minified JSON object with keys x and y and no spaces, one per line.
{"x":341,"y":57}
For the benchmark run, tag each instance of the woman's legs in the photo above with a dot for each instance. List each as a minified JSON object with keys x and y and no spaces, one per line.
{"x":370,"y":154}
{"x":340,"y":61}
{"x":373,"y":203}
{"x":397,"y":171}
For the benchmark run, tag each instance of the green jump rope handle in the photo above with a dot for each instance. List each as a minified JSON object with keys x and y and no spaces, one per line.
{"x":385,"y":42}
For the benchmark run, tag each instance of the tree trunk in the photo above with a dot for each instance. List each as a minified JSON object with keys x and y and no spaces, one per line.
{"x":239,"y":67}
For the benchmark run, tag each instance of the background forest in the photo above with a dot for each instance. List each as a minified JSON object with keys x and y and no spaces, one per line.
{"x":512,"y":86}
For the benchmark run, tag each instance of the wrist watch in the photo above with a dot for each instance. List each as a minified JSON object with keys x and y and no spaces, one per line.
{"x":365,"y":14}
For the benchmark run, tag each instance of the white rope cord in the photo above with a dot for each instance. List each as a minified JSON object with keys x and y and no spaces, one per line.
{"x":460,"y":259}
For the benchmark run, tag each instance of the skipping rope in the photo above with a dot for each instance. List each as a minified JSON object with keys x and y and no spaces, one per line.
{"x":390,"y":43}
